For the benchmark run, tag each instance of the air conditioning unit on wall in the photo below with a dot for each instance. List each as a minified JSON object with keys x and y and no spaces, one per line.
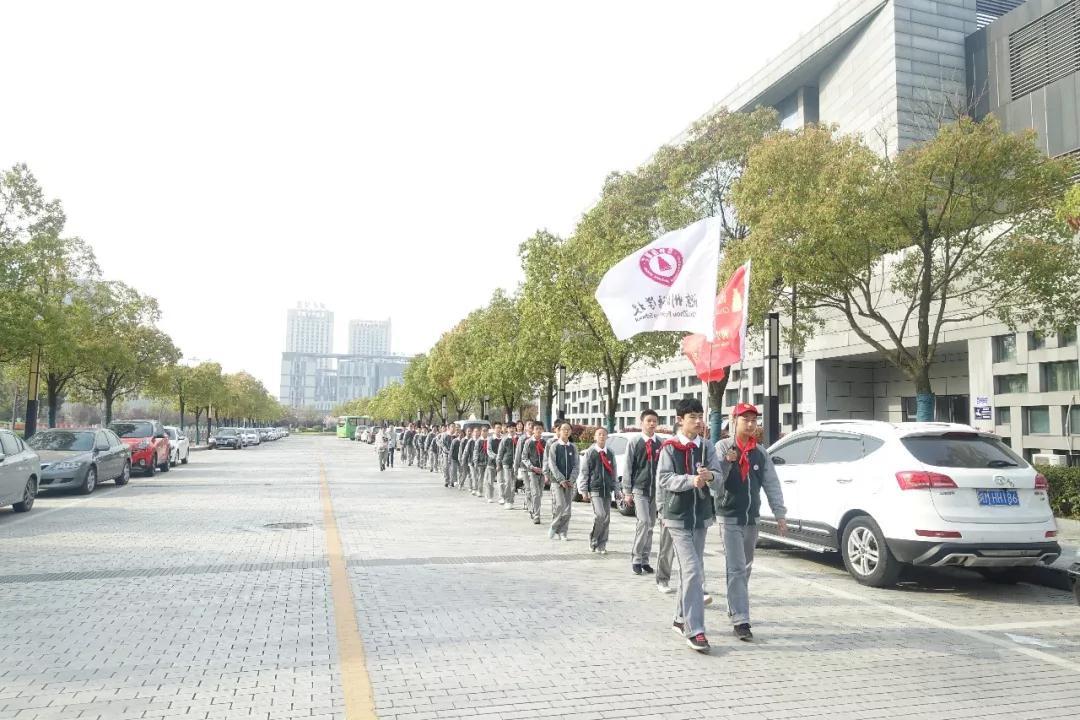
{"x":1055,"y":460}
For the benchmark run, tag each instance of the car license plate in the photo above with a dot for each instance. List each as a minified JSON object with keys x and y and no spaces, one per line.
{"x":998,"y":497}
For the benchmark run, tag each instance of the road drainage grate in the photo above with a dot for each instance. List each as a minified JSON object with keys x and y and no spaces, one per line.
{"x":287,"y":526}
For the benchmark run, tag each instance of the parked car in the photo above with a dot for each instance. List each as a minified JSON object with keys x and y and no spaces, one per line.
{"x":619,"y":443}
{"x":930,"y":494}
{"x":179,"y":446}
{"x":148,"y":442}
{"x":81,"y":458}
{"x":20,"y":471}
{"x":227,"y":438}
{"x":250,"y":436}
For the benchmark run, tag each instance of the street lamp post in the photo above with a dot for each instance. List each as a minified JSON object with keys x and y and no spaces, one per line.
{"x":30,"y":426}
{"x":560,"y":371}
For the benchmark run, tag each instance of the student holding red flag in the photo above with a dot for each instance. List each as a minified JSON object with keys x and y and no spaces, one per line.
{"x":597,"y":482}
{"x":745,"y":470}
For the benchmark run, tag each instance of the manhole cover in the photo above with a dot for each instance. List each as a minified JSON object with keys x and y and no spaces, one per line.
{"x":288,"y":526}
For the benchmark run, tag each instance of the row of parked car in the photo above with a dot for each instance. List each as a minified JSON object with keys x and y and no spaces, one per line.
{"x":239,"y":438}
{"x":79,"y":459}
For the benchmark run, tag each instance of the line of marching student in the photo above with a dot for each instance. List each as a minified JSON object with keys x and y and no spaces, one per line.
{"x":686,"y":482}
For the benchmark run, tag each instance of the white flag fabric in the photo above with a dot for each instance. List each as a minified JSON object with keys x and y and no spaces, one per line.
{"x":670,"y":284}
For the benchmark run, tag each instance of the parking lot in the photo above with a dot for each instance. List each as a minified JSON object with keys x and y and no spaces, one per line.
{"x":210,"y":592}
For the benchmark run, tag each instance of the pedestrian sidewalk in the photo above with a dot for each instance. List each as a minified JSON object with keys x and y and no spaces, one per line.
{"x":1069,"y":539}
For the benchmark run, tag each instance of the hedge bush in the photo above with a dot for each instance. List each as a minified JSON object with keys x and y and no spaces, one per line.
{"x":1064,"y":490}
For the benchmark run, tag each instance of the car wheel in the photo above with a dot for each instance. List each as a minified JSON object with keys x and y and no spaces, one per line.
{"x":125,"y":476}
{"x":151,"y":469}
{"x":867,"y":556}
{"x":27,"y":502}
{"x":90,"y":482}
{"x":1002,"y":576}
{"x":174,"y":459}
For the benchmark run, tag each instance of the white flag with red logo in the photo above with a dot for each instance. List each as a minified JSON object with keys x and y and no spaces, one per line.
{"x":670,"y":284}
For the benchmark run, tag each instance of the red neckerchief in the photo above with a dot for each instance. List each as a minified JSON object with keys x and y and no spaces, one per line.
{"x":744,"y":455}
{"x":483,"y":447}
{"x":687,"y":451}
{"x":648,"y":449}
{"x":606,"y":462}
{"x":539,"y":448}
{"x":516,"y":438}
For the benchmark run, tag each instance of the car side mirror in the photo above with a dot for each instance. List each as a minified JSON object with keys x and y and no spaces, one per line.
{"x":778,"y":460}
{"x":101,"y":447}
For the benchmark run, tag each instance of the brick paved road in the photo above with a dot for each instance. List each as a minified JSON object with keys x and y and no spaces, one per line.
{"x":170,"y":598}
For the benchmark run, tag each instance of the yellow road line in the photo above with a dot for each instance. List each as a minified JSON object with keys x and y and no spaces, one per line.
{"x":355,"y":683}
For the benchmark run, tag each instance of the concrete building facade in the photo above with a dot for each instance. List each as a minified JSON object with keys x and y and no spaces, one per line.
{"x":887,"y":69}
{"x":369,"y":337}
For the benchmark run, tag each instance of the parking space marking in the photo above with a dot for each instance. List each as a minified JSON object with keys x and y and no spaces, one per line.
{"x":975,"y":634}
{"x":74,"y":503}
{"x":355,"y":682}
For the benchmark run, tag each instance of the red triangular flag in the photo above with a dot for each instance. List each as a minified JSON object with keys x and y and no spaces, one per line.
{"x":710,"y":358}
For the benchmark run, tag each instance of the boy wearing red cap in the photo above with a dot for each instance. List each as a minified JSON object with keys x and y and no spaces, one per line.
{"x":745,"y":470}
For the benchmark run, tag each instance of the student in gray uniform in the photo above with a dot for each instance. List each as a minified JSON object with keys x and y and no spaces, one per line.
{"x":454,"y":466}
{"x":562,"y":465}
{"x":465,"y":466}
{"x":519,"y":468}
{"x":433,"y":449}
{"x":492,"y":486}
{"x":444,"y":450}
{"x":745,"y":470}
{"x":504,"y":461}
{"x":480,"y":460}
{"x":533,"y":458}
{"x":687,"y":466}
{"x":596,"y":484}
{"x":639,"y":485}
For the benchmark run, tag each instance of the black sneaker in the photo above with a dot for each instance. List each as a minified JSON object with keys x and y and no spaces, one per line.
{"x":679,"y":628}
{"x":647,"y":569}
{"x":699,"y":643}
{"x":742,"y":631}
{"x":636,"y":568}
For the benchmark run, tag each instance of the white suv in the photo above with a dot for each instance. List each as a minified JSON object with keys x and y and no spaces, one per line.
{"x":933,"y":494}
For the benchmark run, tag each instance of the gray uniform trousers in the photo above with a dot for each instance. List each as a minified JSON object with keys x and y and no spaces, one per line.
{"x":601,"y":506}
{"x":535,"y":485}
{"x":690,"y":595}
{"x":664,"y":556}
{"x":479,"y":471}
{"x":645,"y":512}
{"x":446,"y":469}
{"x":562,"y":501}
{"x":739,"y":543}
{"x":455,"y":472}
{"x":526,"y":481}
{"x":465,"y":475}
{"x":506,"y":483}
{"x":491,"y":481}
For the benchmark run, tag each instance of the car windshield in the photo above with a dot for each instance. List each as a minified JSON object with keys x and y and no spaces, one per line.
{"x":226,"y":432}
{"x":133,"y":429}
{"x":63,"y":440}
{"x":171,"y":432}
{"x":962,"y":450}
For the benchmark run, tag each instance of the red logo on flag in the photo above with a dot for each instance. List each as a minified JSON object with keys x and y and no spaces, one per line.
{"x":661,"y":265}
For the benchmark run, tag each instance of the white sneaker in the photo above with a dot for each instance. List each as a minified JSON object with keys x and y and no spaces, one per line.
{"x":564,"y":537}
{"x":510,"y":506}
{"x":490,"y":500}
{"x":552,"y":534}
{"x":664,"y":588}
{"x":502,"y":502}
{"x":603,"y":551}
{"x":708,"y":599}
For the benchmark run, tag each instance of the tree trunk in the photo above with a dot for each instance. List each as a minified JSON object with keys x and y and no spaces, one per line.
{"x":108,"y":407}
{"x":924,"y":395}
{"x":198,"y":416}
{"x":53,"y":387}
{"x":181,"y":413}
{"x":716,"y":405}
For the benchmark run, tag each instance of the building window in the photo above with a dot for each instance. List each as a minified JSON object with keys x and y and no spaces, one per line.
{"x":759,"y":376}
{"x":1060,"y":376}
{"x":759,"y":399}
{"x":746,"y":394}
{"x":785,"y":370}
{"x":731,"y":398}
{"x":736,"y":375}
{"x":1037,"y":420}
{"x":682,"y":382}
{"x":1072,"y":419}
{"x":1043,"y":51}
{"x":673,"y":385}
{"x":693,"y":381}
{"x":1036,"y":340}
{"x":642,"y":388}
{"x":1004,"y":347}
{"x":1067,"y":337}
{"x":909,"y":409}
{"x":1004,"y":384}
{"x":1004,"y":416}
{"x":785,"y":394}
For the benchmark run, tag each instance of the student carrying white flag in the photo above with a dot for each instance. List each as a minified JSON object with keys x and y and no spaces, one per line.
{"x":670,"y":284}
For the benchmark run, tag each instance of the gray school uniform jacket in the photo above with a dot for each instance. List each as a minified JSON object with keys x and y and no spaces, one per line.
{"x":519,"y":447}
{"x":494,"y":443}
{"x":532,"y":457}
{"x":683,"y":505}
{"x":480,"y":457}
{"x":505,"y":457}
{"x":569,"y":460}
{"x":739,"y":501}
{"x":467,"y":451}
{"x":594,"y":477}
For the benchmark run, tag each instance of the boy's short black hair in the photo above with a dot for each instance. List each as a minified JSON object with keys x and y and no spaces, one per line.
{"x":688,"y":405}
{"x":647,"y":412}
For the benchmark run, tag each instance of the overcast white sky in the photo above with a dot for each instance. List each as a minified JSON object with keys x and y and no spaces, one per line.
{"x":384,"y":159}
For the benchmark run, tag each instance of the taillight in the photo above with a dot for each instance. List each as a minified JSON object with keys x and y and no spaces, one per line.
{"x":1040,"y":482}
{"x":920,"y":480}
{"x":1051,"y":533}
{"x":938,"y":533}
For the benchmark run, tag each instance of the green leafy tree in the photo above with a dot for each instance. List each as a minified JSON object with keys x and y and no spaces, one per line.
{"x":960,"y":227}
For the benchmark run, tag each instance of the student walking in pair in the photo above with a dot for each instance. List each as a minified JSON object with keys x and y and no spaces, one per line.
{"x":639,"y":486}
{"x":480,"y":460}
{"x":561,"y":466}
{"x":492,"y":486}
{"x":465,"y":479}
{"x":382,"y":448}
{"x":454,"y":466}
{"x":745,"y":470}
{"x":597,"y":484}
{"x":687,"y":466}
{"x":504,"y":464}
{"x":392,"y":445}
{"x":525,"y":432}
{"x":533,"y":457}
